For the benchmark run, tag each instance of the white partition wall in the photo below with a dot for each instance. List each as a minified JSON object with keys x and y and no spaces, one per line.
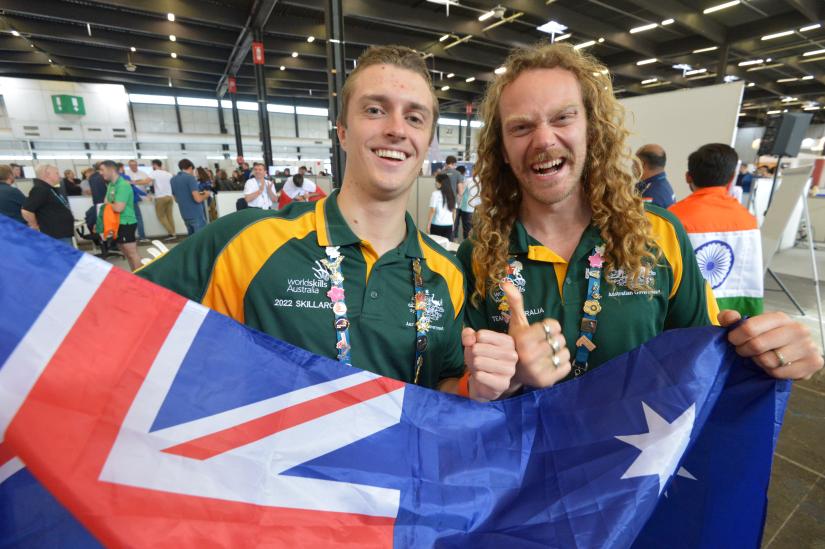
{"x":682,"y":121}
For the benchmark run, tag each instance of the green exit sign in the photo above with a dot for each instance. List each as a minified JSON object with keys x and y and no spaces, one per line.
{"x":68,"y":104}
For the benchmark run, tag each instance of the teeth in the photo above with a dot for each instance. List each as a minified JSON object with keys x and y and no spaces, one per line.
{"x":386,"y":153}
{"x":547,"y":165}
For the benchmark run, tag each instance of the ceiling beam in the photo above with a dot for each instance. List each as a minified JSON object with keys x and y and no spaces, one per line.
{"x":102,"y":19}
{"x":221,"y":15}
{"x":580,"y":23}
{"x":256,"y":21}
{"x":814,"y":10}
{"x":686,"y":16}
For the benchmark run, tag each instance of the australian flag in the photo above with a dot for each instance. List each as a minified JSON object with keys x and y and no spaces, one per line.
{"x":130,"y":416}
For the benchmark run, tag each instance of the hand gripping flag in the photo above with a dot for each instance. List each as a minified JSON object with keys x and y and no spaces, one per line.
{"x":131,"y":417}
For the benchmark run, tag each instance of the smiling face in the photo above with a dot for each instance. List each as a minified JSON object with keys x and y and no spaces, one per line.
{"x":544,"y":131}
{"x":388,"y":129}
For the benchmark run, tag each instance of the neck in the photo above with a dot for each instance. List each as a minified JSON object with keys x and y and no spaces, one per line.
{"x":557,"y":226}
{"x":653,"y":174}
{"x":380,"y":222}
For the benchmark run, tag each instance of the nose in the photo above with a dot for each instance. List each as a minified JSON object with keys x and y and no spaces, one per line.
{"x":545,"y":137}
{"x":396,"y":125}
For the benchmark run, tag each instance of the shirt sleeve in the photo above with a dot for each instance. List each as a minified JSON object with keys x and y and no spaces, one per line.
{"x":694,"y":303}
{"x":193,"y":184}
{"x":474,"y":317}
{"x":250,"y":186}
{"x":37,"y":198}
{"x":123,"y":192}
{"x":434,"y":199}
{"x":187,"y":268}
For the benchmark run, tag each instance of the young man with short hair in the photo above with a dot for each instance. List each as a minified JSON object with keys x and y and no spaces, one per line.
{"x":164,"y":202}
{"x":189,"y":197}
{"x":350,"y":276}
{"x":563,"y":247}
{"x":11,"y":198}
{"x":724,"y":234}
{"x":120,"y":198}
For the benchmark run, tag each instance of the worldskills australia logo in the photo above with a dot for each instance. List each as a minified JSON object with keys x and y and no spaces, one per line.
{"x":514,"y":275}
{"x":321,"y":272}
{"x":434,"y":308}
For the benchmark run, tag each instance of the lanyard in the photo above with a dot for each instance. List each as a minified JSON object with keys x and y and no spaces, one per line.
{"x":592,"y":308}
{"x":64,"y":201}
{"x":337,"y":296}
{"x":592,"y":305}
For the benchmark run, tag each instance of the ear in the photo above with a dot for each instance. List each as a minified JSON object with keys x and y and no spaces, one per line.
{"x":341,"y":130}
{"x":688,"y":178}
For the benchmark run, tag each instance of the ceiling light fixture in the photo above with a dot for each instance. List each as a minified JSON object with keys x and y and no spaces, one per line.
{"x":695,"y":71}
{"x":810,"y":27}
{"x":445,"y":88}
{"x":133,"y":48}
{"x":781,"y":80}
{"x":89,"y":29}
{"x":777,"y":35}
{"x":446,"y":36}
{"x":809,"y":77}
{"x":173,"y":38}
{"x":584,"y":44}
{"x":751,"y":62}
{"x":295,"y":54}
{"x":50,"y":60}
{"x":649,"y":81}
{"x":500,"y":70}
{"x":750,"y":85}
{"x":703,"y":50}
{"x":773,"y":112}
{"x":667,"y":22}
{"x":310,"y":39}
{"x":170,"y":17}
{"x":563,"y":37}
{"x":451,"y":75}
{"x":174,"y":55}
{"x":600,"y":40}
{"x":643,"y":28}
{"x":722,"y":6}
{"x":15,"y":33}
{"x":814,"y":52}
{"x":486,"y":15}
{"x":470,"y":79}
{"x":646,"y":61}
{"x":283,"y":68}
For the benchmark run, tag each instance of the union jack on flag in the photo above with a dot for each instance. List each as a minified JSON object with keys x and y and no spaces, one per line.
{"x":130,"y":416}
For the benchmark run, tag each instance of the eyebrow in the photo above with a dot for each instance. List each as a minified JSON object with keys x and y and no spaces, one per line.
{"x":378,"y":98}
{"x":528,"y":118}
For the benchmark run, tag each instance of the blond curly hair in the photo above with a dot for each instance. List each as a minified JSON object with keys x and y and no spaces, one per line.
{"x":609,"y":185}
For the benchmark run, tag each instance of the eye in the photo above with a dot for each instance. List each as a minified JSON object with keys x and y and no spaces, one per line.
{"x":373,"y":110}
{"x":415,"y":119}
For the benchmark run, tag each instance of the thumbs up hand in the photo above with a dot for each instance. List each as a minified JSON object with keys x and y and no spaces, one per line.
{"x":491,"y":360}
{"x":535,"y":345}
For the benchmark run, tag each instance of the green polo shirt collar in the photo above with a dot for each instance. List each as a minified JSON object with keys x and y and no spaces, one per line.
{"x":521,"y":243}
{"x":333,"y":229}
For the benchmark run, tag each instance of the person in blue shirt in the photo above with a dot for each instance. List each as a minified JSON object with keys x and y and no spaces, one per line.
{"x":11,"y":199}
{"x":654,"y":186}
{"x":189,"y":197}
{"x":745,"y":178}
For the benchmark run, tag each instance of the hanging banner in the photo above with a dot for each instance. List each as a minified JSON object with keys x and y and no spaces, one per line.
{"x":258,"y":53}
{"x":233,"y":85}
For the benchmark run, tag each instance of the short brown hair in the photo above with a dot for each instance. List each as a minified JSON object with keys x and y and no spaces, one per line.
{"x":5,"y":172}
{"x":399,"y":56}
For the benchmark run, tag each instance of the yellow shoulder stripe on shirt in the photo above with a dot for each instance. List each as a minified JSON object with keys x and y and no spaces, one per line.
{"x":665,"y":236}
{"x":449,"y":272}
{"x":244,"y":255}
{"x":713,"y":307}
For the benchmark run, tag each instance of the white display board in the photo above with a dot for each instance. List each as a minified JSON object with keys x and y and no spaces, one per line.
{"x":786,"y":199}
{"x":32,"y":117}
{"x":682,"y":121}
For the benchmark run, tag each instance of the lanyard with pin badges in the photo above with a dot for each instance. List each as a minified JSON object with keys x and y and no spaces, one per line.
{"x":337,"y":296}
{"x":592,"y":308}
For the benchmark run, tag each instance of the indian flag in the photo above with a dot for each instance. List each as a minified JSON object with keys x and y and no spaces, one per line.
{"x":731,"y":262}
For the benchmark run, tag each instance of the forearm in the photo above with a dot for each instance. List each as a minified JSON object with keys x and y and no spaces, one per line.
{"x":31,"y":219}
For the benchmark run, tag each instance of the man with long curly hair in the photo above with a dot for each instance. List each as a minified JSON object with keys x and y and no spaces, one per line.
{"x":564,"y":251}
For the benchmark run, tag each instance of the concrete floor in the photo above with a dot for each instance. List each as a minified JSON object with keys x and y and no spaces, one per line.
{"x":796,"y":508}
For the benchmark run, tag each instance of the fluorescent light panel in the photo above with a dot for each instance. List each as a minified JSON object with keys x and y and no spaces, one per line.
{"x":486,"y":15}
{"x":777,"y":35}
{"x":643,"y":28}
{"x":703,"y":50}
{"x":810,"y":27}
{"x":584,"y":44}
{"x":646,"y":61}
{"x":722,"y":6}
{"x":813,"y":52}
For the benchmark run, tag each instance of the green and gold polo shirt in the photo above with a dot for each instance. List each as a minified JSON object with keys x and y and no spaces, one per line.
{"x":263,"y":268}
{"x":554,"y":288}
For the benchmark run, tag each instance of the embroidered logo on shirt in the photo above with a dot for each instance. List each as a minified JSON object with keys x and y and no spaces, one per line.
{"x":433,"y":307}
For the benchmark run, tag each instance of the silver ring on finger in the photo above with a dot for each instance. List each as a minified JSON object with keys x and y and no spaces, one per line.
{"x":782,"y":361}
{"x":555,"y":346}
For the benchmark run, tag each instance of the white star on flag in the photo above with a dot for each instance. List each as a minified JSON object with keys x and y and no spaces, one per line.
{"x":662,"y":446}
